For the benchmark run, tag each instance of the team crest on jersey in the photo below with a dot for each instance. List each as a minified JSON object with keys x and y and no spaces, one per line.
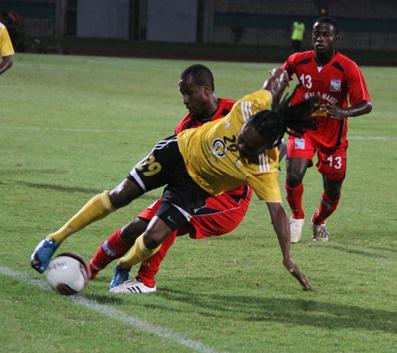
{"x":218,"y":148}
{"x":299,"y":144}
{"x":335,"y":85}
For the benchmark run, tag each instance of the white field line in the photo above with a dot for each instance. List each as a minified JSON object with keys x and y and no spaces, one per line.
{"x":114,"y":314}
{"x":115,"y":131}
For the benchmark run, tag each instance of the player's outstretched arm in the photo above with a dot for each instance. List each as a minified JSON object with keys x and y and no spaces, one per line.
{"x":281,"y":226}
{"x":276,"y":84}
{"x":361,"y":108}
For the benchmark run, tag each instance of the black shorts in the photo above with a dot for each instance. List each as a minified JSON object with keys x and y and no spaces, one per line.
{"x":165,"y":166}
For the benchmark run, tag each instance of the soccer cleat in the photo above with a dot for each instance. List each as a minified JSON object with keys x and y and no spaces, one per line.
{"x":120,"y":276}
{"x":42,"y":255}
{"x":134,"y":286}
{"x":296,"y":227}
{"x":320,"y":232}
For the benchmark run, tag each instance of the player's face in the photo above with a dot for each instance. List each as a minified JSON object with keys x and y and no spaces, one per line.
{"x":196,"y":98}
{"x":323,"y":37}
{"x":251,"y":144}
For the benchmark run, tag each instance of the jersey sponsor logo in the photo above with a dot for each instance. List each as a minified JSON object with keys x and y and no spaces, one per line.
{"x":300,"y":144}
{"x":218,"y":148}
{"x":335,"y":85}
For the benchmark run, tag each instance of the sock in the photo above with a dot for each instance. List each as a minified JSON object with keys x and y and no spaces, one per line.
{"x":96,"y":208}
{"x":327,"y":207}
{"x":149,"y":268}
{"x":137,"y":254}
{"x":112,"y":248}
{"x":294,"y":198}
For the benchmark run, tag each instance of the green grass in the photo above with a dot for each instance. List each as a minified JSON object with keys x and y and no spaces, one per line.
{"x":71,"y":127}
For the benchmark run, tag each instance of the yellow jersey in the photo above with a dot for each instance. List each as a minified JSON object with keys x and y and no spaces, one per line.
{"x":6,"y":47}
{"x":212,"y":158}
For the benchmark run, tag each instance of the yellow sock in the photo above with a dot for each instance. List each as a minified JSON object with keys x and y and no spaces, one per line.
{"x":96,"y":208}
{"x":137,"y":254}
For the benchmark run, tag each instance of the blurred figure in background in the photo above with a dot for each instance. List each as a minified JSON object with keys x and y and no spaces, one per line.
{"x":297,"y":33}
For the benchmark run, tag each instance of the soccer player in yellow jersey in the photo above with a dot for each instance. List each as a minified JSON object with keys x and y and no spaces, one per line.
{"x":6,"y":49}
{"x":216,"y":157}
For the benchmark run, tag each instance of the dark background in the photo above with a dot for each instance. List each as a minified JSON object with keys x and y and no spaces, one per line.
{"x":248,"y":30}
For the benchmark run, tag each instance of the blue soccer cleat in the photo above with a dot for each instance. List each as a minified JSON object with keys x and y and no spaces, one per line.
{"x":120,"y":276}
{"x":42,"y":255}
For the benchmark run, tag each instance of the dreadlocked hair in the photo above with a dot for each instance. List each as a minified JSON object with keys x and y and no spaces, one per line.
{"x":293,"y":119}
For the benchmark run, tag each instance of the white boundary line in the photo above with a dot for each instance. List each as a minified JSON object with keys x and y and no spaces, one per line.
{"x":102,"y":131}
{"x":108,"y":311}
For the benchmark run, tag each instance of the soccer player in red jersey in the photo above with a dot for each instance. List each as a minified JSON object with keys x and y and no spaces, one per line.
{"x":341,"y":87}
{"x":221,"y":214}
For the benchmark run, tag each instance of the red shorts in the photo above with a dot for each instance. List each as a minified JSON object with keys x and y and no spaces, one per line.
{"x":331,"y":163}
{"x":220,"y":215}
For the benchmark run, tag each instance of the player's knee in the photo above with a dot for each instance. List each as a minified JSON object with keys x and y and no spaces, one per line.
{"x":153,"y":237}
{"x":294,"y":179}
{"x":333,"y":193}
{"x":152,"y":240}
{"x":133,"y":230}
{"x":332,"y":188}
{"x":124,"y":193}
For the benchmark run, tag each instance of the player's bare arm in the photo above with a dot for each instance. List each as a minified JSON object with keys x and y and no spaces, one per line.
{"x":276,"y":84}
{"x":356,"y":110}
{"x":281,"y":226}
{"x":6,"y":63}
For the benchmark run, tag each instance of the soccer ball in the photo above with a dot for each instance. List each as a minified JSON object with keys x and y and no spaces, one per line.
{"x":67,"y":274}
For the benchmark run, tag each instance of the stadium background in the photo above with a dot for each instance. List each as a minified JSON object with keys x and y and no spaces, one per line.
{"x":249,"y":30}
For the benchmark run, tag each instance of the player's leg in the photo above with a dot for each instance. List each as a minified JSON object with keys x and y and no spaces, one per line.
{"x":181,"y":197}
{"x":169,"y":218}
{"x":147,"y":175}
{"x":116,"y":245}
{"x":145,"y":246}
{"x":149,"y":268}
{"x":333,"y":168}
{"x":299,"y":158}
{"x":95,"y":209}
{"x":220,"y":215}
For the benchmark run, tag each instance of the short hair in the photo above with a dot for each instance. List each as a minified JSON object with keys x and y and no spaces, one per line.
{"x":201,"y":75}
{"x":293,"y":119}
{"x":329,"y":20}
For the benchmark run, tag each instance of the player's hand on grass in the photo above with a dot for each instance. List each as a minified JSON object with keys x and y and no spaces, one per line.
{"x":294,"y":271}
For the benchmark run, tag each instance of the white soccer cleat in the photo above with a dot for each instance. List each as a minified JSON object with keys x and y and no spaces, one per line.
{"x":134,"y":286}
{"x":296,"y":228}
{"x":320,"y":232}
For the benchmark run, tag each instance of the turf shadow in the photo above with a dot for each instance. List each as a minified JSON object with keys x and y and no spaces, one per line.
{"x":68,"y":189}
{"x":288,"y":311}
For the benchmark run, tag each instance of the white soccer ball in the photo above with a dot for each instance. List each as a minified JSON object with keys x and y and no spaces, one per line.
{"x":67,"y":274}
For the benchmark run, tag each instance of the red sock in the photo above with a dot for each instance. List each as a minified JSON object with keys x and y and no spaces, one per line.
{"x":112,"y":248}
{"x":294,"y":198}
{"x":327,"y":207}
{"x":149,"y":268}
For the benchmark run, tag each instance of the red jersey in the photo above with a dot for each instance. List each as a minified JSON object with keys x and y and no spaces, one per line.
{"x":339,"y":82}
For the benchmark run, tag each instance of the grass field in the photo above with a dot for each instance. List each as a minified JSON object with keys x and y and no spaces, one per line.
{"x":71,"y":127}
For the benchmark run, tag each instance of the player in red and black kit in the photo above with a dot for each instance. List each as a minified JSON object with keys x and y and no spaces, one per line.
{"x":342,"y":90}
{"x":221,"y":214}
